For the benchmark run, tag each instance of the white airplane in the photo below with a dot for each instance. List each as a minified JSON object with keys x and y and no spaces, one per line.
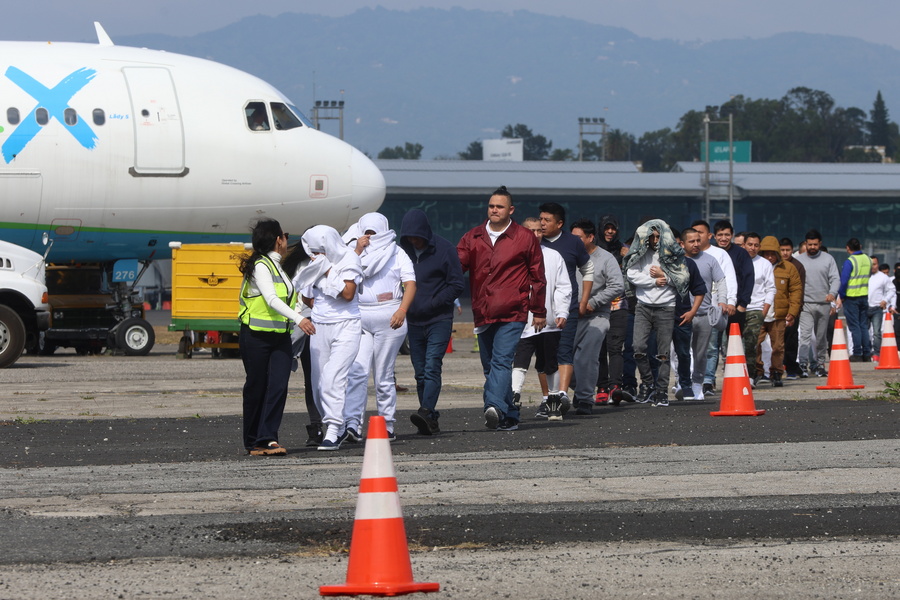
{"x":114,"y":152}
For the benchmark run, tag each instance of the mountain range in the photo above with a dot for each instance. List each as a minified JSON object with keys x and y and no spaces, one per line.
{"x":445,"y":78}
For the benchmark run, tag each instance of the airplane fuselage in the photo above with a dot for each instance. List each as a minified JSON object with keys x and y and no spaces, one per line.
{"x":117,"y":151}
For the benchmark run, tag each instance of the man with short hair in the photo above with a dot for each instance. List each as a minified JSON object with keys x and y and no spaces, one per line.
{"x":854,"y":294}
{"x":820,"y":290}
{"x":882,"y":296}
{"x":506,"y":274}
{"x":727,"y":266}
{"x":553,"y":217}
{"x":687,"y":307}
{"x":761,"y":298}
{"x":593,"y":324}
{"x":791,"y":341}
{"x":717,"y":293}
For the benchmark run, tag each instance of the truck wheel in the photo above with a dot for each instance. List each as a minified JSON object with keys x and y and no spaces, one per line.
{"x":12,"y":336}
{"x":135,"y":337}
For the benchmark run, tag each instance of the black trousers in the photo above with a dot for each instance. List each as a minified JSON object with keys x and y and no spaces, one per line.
{"x":267,"y":359}
{"x":612,"y":361}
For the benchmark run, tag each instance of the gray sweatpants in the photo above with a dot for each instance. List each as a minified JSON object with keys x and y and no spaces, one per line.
{"x":588,"y":338}
{"x":814,"y":319}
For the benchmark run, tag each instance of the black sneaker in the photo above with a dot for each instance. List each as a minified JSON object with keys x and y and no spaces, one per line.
{"x":564,"y":403}
{"x":776,"y":380}
{"x":327,"y":445}
{"x":616,"y":395}
{"x":508,"y":424}
{"x":517,"y":400}
{"x":554,"y":411}
{"x":645,"y":394}
{"x":629,"y":393}
{"x":821,"y":372}
{"x":314,"y":435}
{"x":584,"y":408}
{"x":660,"y":399}
{"x":708,"y":389}
{"x":542,"y":412}
{"x":804,"y":371}
{"x":424,"y":423}
{"x":353,"y":435}
{"x":491,"y":417}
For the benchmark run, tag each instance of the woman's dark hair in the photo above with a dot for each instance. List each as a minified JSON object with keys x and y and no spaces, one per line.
{"x":296,"y":255}
{"x":265,"y":233}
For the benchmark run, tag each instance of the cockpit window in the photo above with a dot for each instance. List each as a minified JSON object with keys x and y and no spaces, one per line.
{"x":283,"y":117}
{"x":301,"y":116}
{"x":257,"y":118}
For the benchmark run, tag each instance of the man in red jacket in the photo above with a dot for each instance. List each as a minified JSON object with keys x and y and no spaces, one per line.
{"x":506,"y":274}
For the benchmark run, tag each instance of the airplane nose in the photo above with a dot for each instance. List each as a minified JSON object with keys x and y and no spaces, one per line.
{"x":368,"y":184}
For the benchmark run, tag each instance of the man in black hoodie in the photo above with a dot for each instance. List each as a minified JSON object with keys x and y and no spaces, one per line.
{"x":439,"y":281}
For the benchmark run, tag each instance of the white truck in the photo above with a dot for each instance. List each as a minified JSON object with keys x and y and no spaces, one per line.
{"x":24,"y":311}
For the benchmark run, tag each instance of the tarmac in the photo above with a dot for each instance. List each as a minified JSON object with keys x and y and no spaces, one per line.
{"x":125,"y":477}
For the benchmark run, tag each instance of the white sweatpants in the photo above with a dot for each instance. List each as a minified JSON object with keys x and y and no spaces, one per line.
{"x":332,"y":350}
{"x":378,"y":348}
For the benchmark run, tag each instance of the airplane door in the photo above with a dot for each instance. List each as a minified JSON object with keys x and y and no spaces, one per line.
{"x":20,"y":201}
{"x":158,"y":129}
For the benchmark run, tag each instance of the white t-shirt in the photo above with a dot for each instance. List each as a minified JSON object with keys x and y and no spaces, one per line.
{"x":385,"y":286}
{"x":332,"y":310}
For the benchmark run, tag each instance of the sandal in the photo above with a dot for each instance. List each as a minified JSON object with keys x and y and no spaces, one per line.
{"x":270,"y":449}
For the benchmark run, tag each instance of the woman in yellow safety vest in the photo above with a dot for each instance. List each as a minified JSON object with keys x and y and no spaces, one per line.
{"x":267,"y":318}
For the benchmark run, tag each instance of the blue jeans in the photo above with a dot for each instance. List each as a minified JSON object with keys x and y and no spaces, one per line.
{"x":427,"y":346}
{"x":856,"y":309}
{"x":876,"y":320}
{"x":497,"y":345}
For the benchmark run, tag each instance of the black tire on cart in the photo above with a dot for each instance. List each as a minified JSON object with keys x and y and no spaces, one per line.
{"x":135,"y":337}
{"x":185,"y":347}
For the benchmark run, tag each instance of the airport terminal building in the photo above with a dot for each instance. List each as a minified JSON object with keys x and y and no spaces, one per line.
{"x":780,"y":199}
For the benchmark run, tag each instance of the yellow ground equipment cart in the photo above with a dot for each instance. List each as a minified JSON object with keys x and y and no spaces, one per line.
{"x":206,"y":283}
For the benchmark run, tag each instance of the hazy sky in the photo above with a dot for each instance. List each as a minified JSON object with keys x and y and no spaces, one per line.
{"x":72,"y":20}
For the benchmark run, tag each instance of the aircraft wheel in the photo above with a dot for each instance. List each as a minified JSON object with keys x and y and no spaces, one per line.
{"x":135,"y":337}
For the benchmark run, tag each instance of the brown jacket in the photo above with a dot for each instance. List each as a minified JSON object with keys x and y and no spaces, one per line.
{"x":788,"y":290}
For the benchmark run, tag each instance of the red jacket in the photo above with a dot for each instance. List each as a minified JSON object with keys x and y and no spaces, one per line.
{"x":507,"y":279}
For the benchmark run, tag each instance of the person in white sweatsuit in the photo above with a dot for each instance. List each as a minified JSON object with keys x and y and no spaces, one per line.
{"x":386,"y":291}
{"x":328,"y":284}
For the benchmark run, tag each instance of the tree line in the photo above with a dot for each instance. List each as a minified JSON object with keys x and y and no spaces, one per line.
{"x":805,"y":125}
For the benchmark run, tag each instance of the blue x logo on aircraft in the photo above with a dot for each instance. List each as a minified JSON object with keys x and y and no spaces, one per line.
{"x":56,"y":101}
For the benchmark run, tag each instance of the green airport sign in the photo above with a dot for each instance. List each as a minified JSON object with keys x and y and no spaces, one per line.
{"x":719,"y":151}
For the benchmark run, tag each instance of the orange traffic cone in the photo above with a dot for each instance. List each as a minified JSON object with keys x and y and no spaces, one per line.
{"x":379,"y":555}
{"x":449,"y":346}
{"x":888,"y":358}
{"x":737,"y":399}
{"x":840,"y":377}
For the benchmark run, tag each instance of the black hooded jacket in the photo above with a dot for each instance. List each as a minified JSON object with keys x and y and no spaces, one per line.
{"x":615,"y":246}
{"x":439,"y":277}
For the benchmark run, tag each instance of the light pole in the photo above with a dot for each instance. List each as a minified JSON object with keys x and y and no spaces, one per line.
{"x":706,"y":123}
{"x":329,"y":110}
{"x":591,"y":126}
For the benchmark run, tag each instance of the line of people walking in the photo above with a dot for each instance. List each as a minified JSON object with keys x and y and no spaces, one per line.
{"x":604,"y":319}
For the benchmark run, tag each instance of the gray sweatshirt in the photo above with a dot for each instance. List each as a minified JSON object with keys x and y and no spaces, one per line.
{"x":822,"y":277}
{"x":608,"y":282}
